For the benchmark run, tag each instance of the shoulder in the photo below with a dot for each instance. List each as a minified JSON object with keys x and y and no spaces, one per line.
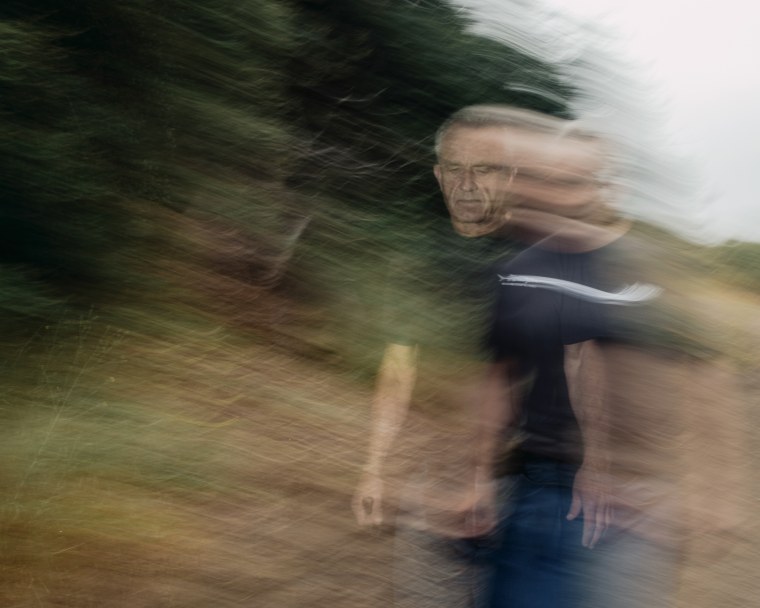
{"x":532,"y":257}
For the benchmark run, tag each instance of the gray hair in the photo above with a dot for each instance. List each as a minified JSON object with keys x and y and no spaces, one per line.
{"x":509,"y":116}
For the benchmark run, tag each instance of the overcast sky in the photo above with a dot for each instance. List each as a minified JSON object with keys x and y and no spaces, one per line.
{"x":696,"y":64}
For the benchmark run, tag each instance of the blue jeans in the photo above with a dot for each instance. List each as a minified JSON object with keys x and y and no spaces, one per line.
{"x":538,"y":555}
{"x":628,"y":571}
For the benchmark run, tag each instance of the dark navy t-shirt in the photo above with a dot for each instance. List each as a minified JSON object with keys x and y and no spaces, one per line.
{"x":550,"y":299}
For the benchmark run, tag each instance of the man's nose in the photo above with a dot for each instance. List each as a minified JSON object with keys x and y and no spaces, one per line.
{"x":467,"y":182}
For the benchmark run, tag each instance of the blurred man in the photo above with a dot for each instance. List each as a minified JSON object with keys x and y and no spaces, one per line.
{"x":580,"y":422}
{"x":544,"y":384}
{"x":613,"y":390}
{"x":419,"y":464}
{"x":437,"y":361}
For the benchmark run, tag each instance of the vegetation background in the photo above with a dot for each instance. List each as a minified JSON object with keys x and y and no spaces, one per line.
{"x":198,"y":203}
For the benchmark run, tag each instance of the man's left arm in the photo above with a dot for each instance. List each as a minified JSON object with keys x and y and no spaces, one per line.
{"x":585,"y":374}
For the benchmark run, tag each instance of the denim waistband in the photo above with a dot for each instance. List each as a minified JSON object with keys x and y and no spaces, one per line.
{"x":538,"y":469}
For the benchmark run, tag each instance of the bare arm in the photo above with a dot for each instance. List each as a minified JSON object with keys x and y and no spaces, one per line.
{"x":495,"y":411}
{"x":585,"y":373}
{"x":390,"y":404}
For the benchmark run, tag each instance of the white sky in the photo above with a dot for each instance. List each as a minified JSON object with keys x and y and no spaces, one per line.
{"x":702,"y":59}
{"x":698,"y":61}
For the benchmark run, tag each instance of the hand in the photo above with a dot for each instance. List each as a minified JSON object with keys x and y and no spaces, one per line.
{"x":591,"y":497}
{"x":367,"y":502}
{"x":479,"y":510}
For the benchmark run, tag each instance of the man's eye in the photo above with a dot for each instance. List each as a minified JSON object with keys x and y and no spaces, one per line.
{"x":483,"y":170}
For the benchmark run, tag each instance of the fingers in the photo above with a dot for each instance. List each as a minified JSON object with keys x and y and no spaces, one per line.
{"x":367,"y":503}
{"x":602,"y":522}
{"x":589,"y":524}
{"x":589,"y":529}
{"x":480,"y":520}
{"x":593,"y":528}
{"x":367,"y":510}
{"x":596,"y":517}
{"x":595,"y":522}
{"x":576,"y":506}
{"x":590,"y":498}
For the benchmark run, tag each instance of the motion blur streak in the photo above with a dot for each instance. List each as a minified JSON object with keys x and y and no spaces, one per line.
{"x":198,"y":206}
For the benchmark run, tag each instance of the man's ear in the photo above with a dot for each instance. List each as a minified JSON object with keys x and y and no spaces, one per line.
{"x":437,"y":173}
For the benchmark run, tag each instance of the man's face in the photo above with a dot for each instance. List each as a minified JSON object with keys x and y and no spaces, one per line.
{"x":474,"y":173}
{"x":484,"y":172}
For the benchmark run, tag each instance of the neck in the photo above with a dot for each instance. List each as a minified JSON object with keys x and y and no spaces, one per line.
{"x":475,"y":230}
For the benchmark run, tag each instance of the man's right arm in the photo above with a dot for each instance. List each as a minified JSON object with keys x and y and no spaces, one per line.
{"x":390,"y":404}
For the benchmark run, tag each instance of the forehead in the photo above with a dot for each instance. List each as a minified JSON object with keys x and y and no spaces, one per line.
{"x":520,"y":148}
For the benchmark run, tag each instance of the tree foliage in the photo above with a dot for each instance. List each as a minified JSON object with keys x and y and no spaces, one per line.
{"x":261,"y":115}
